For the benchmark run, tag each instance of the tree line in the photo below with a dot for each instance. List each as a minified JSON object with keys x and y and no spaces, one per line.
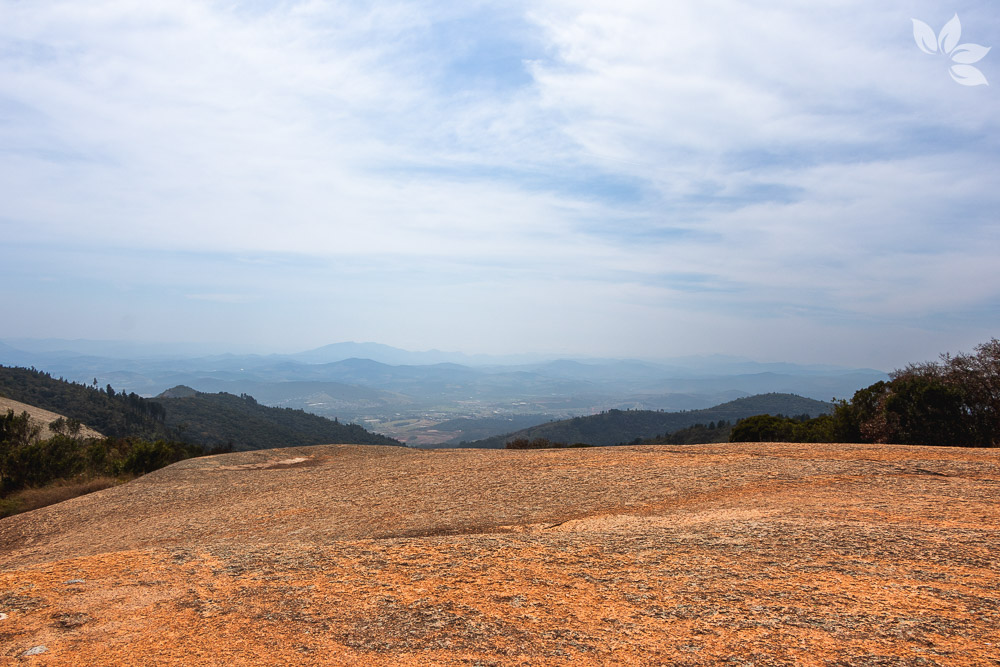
{"x":72,"y":464}
{"x":115,"y":414}
{"x":954,"y":401}
{"x":209,"y":420}
{"x":240,"y":421}
{"x":621,"y":427}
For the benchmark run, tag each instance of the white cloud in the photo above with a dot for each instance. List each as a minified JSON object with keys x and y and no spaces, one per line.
{"x":657,"y":163}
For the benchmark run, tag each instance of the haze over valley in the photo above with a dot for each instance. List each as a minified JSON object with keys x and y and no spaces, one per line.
{"x":434,"y":398}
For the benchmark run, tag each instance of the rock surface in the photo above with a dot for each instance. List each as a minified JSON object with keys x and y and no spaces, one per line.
{"x":765,"y":554}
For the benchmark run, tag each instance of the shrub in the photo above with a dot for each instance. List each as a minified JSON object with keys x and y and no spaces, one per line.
{"x":541,"y":443}
{"x":145,"y":457}
{"x":763,"y":428}
{"x":17,"y":430}
{"x":63,"y":457}
{"x":40,"y":462}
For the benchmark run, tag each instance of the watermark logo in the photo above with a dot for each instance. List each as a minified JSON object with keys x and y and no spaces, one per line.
{"x":962,"y":56}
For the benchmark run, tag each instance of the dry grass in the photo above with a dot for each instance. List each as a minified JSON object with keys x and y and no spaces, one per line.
{"x":63,"y":489}
{"x":42,"y":418}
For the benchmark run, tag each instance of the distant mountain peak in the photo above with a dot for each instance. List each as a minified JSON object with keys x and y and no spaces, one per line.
{"x":180,"y":391}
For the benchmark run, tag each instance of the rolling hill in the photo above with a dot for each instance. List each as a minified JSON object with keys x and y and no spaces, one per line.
{"x":615,"y":427}
{"x":181,"y":413}
{"x":115,"y":414}
{"x":241,"y":422}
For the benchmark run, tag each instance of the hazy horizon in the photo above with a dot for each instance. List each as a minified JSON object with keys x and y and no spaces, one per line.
{"x":648,"y":180}
{"x":137,"y":350}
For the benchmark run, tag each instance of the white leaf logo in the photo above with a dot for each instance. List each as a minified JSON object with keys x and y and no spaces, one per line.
{"x":966,"y":54}
{"x":950,"y":34}
{"x":924,"y":34}
{"x":946,"y":44}
{"x":967,"y":75}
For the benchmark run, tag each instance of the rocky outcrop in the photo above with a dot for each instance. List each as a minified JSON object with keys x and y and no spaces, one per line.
{"x":709,"y":554}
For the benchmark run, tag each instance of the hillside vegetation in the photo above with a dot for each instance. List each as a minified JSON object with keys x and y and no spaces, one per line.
{"x":713,"y":432}
{"x":181,"y":414}
{"x":615,"y":427}
{"x":241,"y":423}
{"x":115,"y":414}
{"x":49,"y":422}
{"x":36,"y":471}
{"x":954,"y":402}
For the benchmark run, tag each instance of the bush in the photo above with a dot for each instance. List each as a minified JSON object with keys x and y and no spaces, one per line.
{"x":145,"y":457}
{"x":39,"y":463}
{"x":16,"y":430}
{"x":763,"y":428}
{"x":541,"y":443}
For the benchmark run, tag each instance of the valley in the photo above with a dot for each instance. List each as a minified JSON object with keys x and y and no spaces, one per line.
{"x":436,"y":398}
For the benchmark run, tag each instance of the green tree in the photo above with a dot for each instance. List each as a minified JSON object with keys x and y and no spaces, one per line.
{"x":763,"y":428}
{"x":923,"y":410}
{"x":955,"y":401}
{"x":17,"y":430}
{"x":977,"y":377}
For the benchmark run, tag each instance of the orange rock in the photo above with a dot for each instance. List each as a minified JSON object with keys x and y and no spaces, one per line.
{"x":349,"y":555}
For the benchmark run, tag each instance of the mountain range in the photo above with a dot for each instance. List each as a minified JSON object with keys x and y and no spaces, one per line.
{"x":409,"y":395}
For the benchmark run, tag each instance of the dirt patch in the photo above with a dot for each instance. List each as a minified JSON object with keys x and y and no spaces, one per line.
{"x":273,"y":464}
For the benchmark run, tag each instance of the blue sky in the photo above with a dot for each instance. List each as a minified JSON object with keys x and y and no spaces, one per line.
{"x":786,"y":181}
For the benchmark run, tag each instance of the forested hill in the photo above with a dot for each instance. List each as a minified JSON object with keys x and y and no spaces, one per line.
{"x":182,"y":414}
{"x":616,"y":427}
{"x":224,"y":419}
{"x":114,"y":414}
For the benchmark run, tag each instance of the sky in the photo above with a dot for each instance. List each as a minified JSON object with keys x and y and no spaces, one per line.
{"x":785,"y":181}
